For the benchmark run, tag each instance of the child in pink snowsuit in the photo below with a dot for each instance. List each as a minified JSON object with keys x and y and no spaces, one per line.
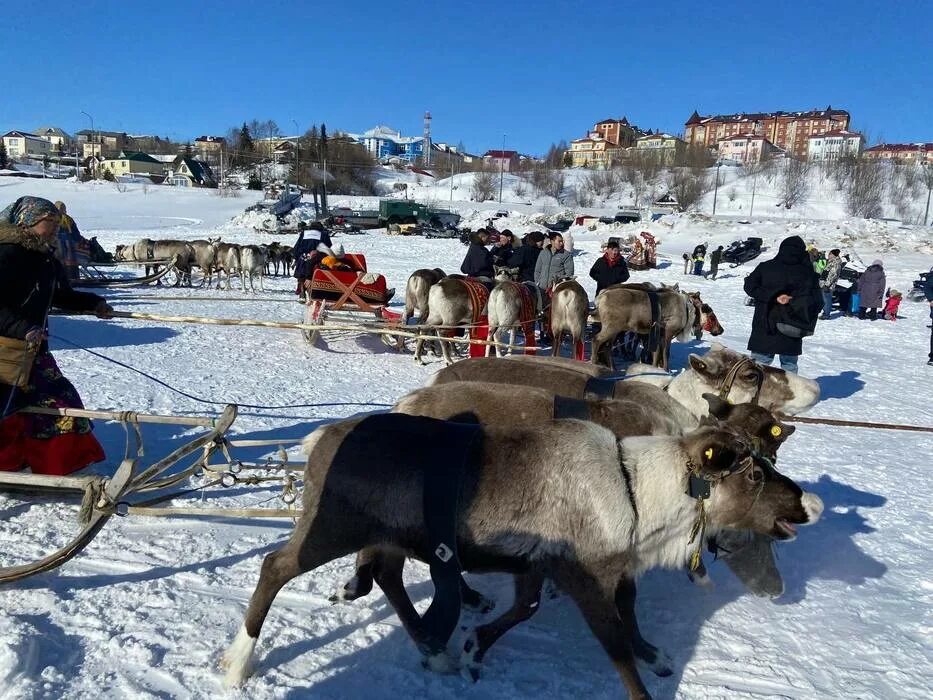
{"x":892,"y":305}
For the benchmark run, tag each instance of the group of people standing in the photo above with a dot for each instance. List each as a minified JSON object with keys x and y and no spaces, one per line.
{"x":693,"y":264}
{"x":869,"y":297}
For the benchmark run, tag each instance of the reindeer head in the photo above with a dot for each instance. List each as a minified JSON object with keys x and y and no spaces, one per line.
{"x":214,"y":241}
{"x":747,"y":493}
{"x":755,"y":423}
{"x":119,"y":252}
{"x":505,"y":274}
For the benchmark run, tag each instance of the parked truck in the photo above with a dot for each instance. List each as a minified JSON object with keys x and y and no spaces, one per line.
{"x":403,"y":211}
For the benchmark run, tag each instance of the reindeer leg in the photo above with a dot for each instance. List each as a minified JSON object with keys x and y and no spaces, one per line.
{"x":654,"y":658}
{"x":367,"y":561}
{"x":513,"y":335}
{"x":527,"y":602}
{"x":595,"y":597}
{"x":491,"y":336}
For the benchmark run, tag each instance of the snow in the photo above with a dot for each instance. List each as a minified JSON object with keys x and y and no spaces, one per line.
{"x":149,"y":606}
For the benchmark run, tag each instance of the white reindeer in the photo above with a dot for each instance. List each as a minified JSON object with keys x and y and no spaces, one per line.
{"x":252,"y":263}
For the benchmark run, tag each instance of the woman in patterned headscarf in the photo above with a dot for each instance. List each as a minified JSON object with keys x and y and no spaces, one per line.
{"x":31,"y":282}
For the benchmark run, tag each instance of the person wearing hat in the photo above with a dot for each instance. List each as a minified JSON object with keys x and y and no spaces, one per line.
{"x":610,"y":268}
{"x":503,"y":250}
{"x":871,"y":286}
{"x":32,"y":281}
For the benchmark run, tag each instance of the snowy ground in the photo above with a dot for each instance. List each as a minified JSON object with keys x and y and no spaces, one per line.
{"x":146,"y":609}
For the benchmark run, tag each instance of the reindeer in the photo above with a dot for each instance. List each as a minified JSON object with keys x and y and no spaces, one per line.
{"x":228,"y":261}
{"x":624,"y":308}
{"x":569,"y":311}
{"x":613,"y":510}
{"x":416,"y":292}
{"x":506,"y":302}
{"x":147,"y":249}
{"x":252,"y":263}
{"x":450,"y":304}
{"x":205,"y":257}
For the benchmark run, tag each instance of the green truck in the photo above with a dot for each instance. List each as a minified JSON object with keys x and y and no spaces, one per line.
{"x":404,"y":211}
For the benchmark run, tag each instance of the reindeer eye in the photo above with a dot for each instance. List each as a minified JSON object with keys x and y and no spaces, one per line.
{"x":750,"y":376}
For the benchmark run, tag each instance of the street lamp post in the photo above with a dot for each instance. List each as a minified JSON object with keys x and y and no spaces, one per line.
{"x":501,"y":166}
{"x":297,"y":154}
{"x":716,"y":191}
{"x":929,"y":177}
{"x":92,"y":132}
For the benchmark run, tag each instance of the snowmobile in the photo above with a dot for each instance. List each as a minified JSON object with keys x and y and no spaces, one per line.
{"x":740,"y":252}
{"x":916,"y":292}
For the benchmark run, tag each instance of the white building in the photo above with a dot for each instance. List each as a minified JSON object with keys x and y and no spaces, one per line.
{"x":385,"y":143}
{"x":23,"y":144}
{"x":59,"y":138}
{"x":745,"y":148}
{"x":835,"y":144}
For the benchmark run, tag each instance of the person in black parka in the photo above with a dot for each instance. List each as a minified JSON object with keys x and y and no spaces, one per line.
{"x":786,"y":291}
{"x":610,"y":268}
{"x":526,"y":255}
{"x":478,"y":260}
{"x":503,"y":251}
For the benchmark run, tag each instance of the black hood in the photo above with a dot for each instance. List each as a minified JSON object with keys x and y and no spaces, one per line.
{"x":792,"y":251}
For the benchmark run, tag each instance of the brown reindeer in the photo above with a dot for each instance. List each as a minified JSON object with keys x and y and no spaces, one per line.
{"x":612,"y":511}
{"x":624,"y":308}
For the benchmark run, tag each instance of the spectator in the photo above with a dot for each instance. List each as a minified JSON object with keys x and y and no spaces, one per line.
{"x":699,"y":256}
{"x":503,"y":250}
{"x":526,"y":256}
{"x":892,"y":304}
{"x":871,"y":286}
{"x":714,"y":259}
{"x":478,"y":260}
{"x":554,"y":263}
{"x":828,"y":279}
{"x":610,"y":268}
{"x":928,"y":293}
{"x":686,"y":263}
{"x":31,"y":281}
{"x":787,"y":299}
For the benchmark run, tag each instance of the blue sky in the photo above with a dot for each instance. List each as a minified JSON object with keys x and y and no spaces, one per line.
{"x":537,"y":72}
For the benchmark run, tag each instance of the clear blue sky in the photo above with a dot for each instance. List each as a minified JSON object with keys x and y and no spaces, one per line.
{"x":537,"y":71}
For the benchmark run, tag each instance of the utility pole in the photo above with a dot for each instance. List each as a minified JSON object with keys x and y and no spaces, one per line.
{"x":297,"y":155}
{"x":751,"y":211}
{"x":501,"y":166}
{"x":451,"y":177}
{"x":716,"y":191}
{"x":928,"y":167}
{"x":92,"y":131}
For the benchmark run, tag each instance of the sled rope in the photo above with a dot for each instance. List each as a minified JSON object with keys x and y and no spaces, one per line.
{"x":857,"y":424}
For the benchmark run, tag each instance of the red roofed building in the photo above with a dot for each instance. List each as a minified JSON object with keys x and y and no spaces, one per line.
{"x":618,"y":132}
{"x":506,"y":160}
{"x":746,"y":148}
{"x":901,"y":152}
{"x":787,"y":130}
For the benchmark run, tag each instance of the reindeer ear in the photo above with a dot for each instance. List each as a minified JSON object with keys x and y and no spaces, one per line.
{"x":718,"y":457}
{"x":718,"y":407}
{"x":717,"y":347}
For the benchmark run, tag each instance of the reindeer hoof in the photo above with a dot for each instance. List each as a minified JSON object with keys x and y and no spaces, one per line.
{"x":439,"y":663}
{"x":470,"y":658}
{"x":476,"y":602}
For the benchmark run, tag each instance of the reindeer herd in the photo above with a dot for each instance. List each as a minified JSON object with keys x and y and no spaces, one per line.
{"x":444,"y":301}
{"x":215,"y":259}
{"x":545,"y":468}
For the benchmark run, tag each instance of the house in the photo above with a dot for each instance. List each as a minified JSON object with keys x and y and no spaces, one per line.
{"x":190,"y":172}
{"x":284,"y":151}
{"x":209,"y":148}
{"x":787,"y":130}
{"x":507,"y":161}
{"x":58,"y":138}
{"x":593,"y":151}
{"x":25,"y":144}
{"x":901,"y":152}
{"x":835,"y":144}
{"x":384,"y":143}
{"x":618,"y":132}
{"x":101,"y":143}
{"x":745,"y":148}
{"x":134,"y":163}
{"x":666,"y":149}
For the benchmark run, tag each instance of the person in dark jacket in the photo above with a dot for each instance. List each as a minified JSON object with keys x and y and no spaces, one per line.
{"x":478,"y":260}
{"x":928,"y":293}
{"x":312,"y":246}
{"x":526,"y":256}
{"x":610,"y":268}
{"x":714,"y":259}
{"x":32,"y":281}
{"x":871,"y":286}
{"x":787,"y":296}
{"x":503,"y":250}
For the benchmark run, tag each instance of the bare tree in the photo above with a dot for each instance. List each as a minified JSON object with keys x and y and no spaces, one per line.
{"x":484,"y":185}
{"x":795,"y":182}
{"x":687,"y":185}
{"x":865,"y":189}
{"x":604,"y":183}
